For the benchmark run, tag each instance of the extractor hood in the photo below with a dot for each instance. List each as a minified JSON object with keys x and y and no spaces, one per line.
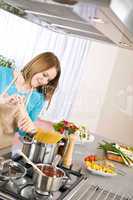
{"x":103,"y":20}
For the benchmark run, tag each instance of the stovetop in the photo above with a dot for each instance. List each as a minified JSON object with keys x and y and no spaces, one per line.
{"x":78,"y":187}
{"x":23,"y":188}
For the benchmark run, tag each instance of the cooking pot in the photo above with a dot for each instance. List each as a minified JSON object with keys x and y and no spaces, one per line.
{"x":11,"y":170}
{"x":31,"y":149}
{"x":39,"y":152}
{"x":51,"y":181}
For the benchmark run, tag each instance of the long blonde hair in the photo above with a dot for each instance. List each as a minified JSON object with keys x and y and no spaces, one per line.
{"x":40,"y":63}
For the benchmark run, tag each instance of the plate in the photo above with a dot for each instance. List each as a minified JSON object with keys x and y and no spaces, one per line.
{"x":89,"y":140}
{"x":92,"y":165}
{"x":97,"y":172}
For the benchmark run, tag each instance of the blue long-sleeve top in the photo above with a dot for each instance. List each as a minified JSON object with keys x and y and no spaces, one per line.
{"x":36,"y":100}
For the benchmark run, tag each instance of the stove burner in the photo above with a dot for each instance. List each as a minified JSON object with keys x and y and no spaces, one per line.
{"x":44,"y":196}
{"x":44,"y":193}
{"x":29,"y":193}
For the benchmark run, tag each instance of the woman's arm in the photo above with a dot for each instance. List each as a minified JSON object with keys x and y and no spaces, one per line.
{"x":26,"y":118}
{"x":44,"y":124}
{"x":25,"y":123}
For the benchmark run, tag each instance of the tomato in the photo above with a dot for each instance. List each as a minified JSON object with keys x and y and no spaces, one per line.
{"x":90,"y":158}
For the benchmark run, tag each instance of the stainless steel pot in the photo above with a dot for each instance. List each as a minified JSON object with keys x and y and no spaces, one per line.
{"x":26,"y":146}
{"x":11,"y":170}
{"x":47,"y":153}
{"x":32,"y":150}
{"x":51,"y":181}
{"x":38,"y":152}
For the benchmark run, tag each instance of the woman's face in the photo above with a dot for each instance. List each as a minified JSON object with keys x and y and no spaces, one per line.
{"x":43,"y":78}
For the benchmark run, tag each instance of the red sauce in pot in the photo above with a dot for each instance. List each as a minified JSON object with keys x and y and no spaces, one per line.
{"x":50,"y":171}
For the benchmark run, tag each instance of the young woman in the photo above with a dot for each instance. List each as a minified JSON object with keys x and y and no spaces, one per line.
{"x":36,"y":82}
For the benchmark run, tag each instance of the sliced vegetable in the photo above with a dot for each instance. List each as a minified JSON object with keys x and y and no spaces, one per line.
{"x":126,"y":154}
{"x":91,"y":158}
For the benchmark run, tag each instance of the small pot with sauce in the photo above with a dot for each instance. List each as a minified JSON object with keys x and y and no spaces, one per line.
{"x":51,"y":181}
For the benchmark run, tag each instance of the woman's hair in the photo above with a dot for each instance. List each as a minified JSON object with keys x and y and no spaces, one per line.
{"x":40,"y":63}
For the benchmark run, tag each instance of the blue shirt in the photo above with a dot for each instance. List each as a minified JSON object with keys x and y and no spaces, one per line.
{"x":36,"y":100}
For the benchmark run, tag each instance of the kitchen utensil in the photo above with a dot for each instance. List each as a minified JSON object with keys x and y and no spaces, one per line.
{"x":32,"y":150}
{"x":26,"y":146}
{"x":48,"y":152}
{"x":49,"y":137}
{"x":31,"y":163}
{"x":56,"y":160}
{"x":12,"y":170}
{"x":51,"y":180}
{"x":39,"y":152}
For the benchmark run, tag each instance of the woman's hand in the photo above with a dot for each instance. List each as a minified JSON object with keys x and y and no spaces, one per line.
{"x":16,"y":99}
{"x":12,"y":100}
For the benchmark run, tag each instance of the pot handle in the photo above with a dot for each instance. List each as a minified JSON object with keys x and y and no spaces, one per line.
{"x":66,"y":178}
{"x":25,"y":142}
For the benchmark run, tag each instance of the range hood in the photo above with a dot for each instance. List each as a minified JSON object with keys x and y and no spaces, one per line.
{"x":103,"y":20}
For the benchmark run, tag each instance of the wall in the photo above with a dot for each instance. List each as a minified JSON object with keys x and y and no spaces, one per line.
{"x":104,"y":102}
{"x":116,"y":116}
{"x":94,"y":84}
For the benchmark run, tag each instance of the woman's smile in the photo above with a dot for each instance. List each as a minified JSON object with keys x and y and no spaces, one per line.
{"x":43,"y":78}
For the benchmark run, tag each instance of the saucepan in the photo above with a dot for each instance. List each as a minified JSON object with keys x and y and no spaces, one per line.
{"x":10,"y":170}
{"x":53,"y":178}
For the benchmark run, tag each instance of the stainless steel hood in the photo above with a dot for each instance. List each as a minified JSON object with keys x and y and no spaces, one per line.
{"x":103,"y":20}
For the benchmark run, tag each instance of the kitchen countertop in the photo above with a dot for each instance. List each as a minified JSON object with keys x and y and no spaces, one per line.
{"x":122,"y":184}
